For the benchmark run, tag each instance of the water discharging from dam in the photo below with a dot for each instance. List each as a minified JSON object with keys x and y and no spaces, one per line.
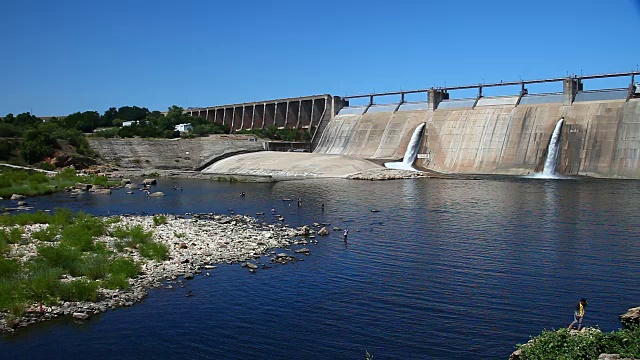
{"x":411,"y":153}
{"x":549,"y":170}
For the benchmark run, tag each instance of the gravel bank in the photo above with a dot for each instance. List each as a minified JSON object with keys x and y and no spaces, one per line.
{"x":196,"y":242}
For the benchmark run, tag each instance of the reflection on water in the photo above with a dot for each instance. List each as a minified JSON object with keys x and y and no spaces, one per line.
{"x":446,"y":269}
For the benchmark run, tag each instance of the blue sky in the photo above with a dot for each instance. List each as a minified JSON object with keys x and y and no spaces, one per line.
{"x":58,"y":57}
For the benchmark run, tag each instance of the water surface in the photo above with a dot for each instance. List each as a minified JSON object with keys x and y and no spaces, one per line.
{"x":447,"y":269}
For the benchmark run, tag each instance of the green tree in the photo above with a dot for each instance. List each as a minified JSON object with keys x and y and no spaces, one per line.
{"x":132,"y":113}
{"x":36,"y":146}
{"x":109,"y":116}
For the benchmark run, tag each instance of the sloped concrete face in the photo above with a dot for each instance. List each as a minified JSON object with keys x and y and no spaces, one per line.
{"x":599,"y":138}
{"x":397,"y":133}
{"x":377,"y":135}
{"x":291,"y":165}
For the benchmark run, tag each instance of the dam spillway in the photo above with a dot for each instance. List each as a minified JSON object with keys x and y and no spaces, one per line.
{"x":500,"y":134}
{"x":492,"y":134}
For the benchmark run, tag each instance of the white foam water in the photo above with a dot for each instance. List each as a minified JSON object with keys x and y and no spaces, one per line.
{"x":410,"y":154}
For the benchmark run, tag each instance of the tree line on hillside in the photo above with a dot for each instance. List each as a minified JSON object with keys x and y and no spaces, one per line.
{"x":27,"y":139}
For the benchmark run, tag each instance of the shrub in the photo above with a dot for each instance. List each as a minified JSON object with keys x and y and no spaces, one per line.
{"x":61,"y":217}
{"x":77,"y":237}
{"x":159,"y":220}
{"x":46,"y":234}
{"x":100,"y":180}
{"x":4,"y":247}
{"x":11,"y":292}
{"x":131,"y":236}
{"x":12,"y":236}
{"x":9,"y":268}
{"x":155,"y":251}
{"x":42,"y":282}
{"x":125,"y":267}
{"x":116,"y":281}
{"x":78,"y":290}
{"x":64,"y":257}
{"x":94,"y":266}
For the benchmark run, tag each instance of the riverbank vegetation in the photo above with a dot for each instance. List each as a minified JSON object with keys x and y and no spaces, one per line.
{"x":588,"y":344}
{"x":66,"y":257}
{"x":30,"y":183}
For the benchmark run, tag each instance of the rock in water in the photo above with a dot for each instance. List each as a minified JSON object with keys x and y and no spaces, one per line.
{"x":149,"y":182}
{"x":631,"y":317}
{"x":323,"y":231}
{"x":80,"y":316}
{"x":188,"y":276}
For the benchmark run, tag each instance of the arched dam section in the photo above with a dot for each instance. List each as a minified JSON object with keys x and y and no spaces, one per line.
{"x":499,"y":135}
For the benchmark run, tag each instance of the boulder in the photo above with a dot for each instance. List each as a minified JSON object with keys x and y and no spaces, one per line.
{"x":188,"y":276}
{"x":80,"y":316}
{"x":157,"y":193}
{"x":22,"y":203}
{"x":250,"y":265}
{"x":303,"y":231}
{"x":17,"y":197}
{"x":149,"y":182}
{"x":323,"y":231}
{"x":125,"y":182}
{"x":102,"y":191}
{"x":612,"y":357}
{"x":631,"y":317}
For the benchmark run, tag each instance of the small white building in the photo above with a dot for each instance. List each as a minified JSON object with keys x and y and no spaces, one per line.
{"x":184,"y":127}
{"x":129,"y":123}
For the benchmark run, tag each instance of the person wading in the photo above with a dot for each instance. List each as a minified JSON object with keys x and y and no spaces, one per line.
{"x":578,"y":314}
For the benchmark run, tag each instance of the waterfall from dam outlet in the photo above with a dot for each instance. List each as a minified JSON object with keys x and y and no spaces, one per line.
{"x":411,"y":153}
{"x":549,"y":170}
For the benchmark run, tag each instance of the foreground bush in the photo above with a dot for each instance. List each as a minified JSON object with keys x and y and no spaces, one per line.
{"x":70,"y":264}
{"x":587,"y":345}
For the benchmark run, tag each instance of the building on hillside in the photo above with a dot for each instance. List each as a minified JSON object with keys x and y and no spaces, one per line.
{"x":129,"y":123}
{"x":184,"y":127}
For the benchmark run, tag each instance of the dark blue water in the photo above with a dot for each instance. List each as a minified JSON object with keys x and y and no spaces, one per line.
{"x":446,"y":270}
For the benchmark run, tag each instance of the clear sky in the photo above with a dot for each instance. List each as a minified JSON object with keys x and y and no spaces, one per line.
{"x":58,"y":57}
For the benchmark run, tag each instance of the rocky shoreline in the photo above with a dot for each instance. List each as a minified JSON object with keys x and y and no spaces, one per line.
{"x":196,"y":243}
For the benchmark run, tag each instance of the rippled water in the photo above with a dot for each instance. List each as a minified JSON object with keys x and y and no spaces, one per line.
{"x":451,"y":269}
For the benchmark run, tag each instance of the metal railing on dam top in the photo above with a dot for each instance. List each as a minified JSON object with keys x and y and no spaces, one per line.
{"x":480,"y":86}
{"x":312,"y":112}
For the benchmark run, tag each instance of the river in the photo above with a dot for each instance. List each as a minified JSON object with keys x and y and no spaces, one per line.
{"x":443,"y":269}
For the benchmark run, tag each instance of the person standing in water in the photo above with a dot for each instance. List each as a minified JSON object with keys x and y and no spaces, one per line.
{"x":578,"y":314}
{"x":345,"y":233}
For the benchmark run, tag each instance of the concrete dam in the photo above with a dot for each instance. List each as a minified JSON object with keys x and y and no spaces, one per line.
{"x":484,"y":134}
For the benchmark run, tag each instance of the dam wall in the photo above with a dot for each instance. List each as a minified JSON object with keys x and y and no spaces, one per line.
{"x":599,"y":139}
{"x":499,"y":135}
{"x":173,"y":154}
{"x":380,"y":133}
